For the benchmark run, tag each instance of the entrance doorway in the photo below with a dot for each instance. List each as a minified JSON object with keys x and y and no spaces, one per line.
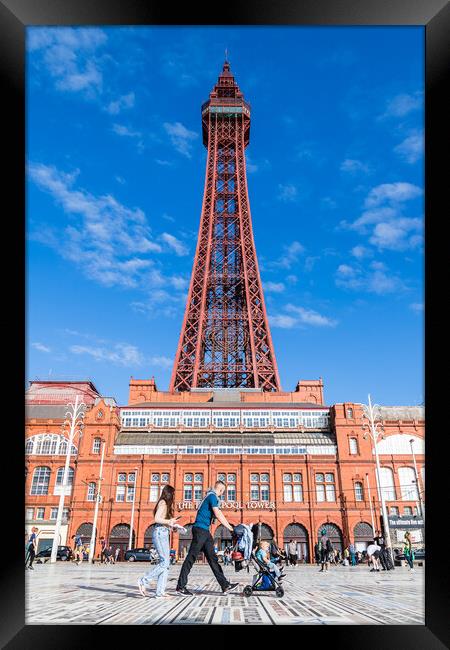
{"x":363,"y":534}
{"x":222,"y":538}
{"x":335,"y":535}
{"x":119,"y":537}
{"x":298,"y":534}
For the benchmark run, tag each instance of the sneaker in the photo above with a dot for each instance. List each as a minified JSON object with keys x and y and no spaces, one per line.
{"x":282,"y":575}
{"x":231,"y":587}
{"x":141,"y":587}
{"x":182,"y":591}
{"x":31,"y":567}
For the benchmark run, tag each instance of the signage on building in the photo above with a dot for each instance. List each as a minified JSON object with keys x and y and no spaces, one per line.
{"x":404,"y":522}
{"x":230,"y":505}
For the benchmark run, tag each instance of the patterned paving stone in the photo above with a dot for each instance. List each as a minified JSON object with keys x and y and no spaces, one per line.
{"x":107,"y":595}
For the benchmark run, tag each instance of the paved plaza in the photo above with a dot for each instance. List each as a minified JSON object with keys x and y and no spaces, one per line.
{"x":102,"y":594}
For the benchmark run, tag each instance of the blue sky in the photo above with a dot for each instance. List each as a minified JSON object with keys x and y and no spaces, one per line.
{"x":115,"y":173}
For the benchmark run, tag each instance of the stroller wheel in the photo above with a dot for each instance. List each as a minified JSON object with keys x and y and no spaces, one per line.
{"x":248,"y":591}
{"x":279,"y":592}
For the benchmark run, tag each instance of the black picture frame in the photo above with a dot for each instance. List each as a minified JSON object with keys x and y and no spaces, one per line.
{"x":434,"y":15}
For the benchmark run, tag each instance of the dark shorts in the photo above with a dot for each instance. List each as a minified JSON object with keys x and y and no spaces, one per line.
{"x":324,"y":555}
{"x":376,"y":555}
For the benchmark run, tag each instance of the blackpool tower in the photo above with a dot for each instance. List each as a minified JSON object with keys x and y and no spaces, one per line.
{"x":225,"y":340}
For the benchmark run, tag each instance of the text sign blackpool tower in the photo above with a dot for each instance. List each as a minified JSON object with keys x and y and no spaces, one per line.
{"x":225,"y":339}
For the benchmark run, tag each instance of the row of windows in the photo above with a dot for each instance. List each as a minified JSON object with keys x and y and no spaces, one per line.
{"x":47,"y":444}
{"x":236,"y":451}
{"x":225,"y":419}
{"x":32,"y":514}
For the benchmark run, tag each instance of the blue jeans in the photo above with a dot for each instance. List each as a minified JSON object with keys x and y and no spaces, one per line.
{"x":160,"y":572}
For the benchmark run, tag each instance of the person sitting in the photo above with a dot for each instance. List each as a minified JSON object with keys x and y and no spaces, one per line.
{"x":263,"y":555}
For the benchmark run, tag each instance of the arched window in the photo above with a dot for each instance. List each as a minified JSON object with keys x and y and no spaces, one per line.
{"x":41,"y":480}
{"x":96,"y":445}
{"x":91,"y":492}
{"x":353,"y":445}
{"x":60,"y":475}
{"x":49,"y":444}
{"x":387,"y":483}
{"x":359,"y":491}
{"x":408,"y":485}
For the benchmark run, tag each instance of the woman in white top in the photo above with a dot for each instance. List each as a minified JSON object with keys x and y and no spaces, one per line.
{"x":163,"y":522}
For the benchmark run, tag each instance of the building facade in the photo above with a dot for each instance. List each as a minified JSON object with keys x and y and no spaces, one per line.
{"x":288,"y":461}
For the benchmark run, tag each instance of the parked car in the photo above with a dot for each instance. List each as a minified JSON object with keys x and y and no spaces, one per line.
{"x":141,"y":555}
{"x":64,"y":553}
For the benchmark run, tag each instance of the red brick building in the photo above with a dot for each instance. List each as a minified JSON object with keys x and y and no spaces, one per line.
{"x":289,"y":462}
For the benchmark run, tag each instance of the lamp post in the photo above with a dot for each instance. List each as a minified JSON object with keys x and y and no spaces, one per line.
{"x":97,"y":501}
{"x":132,"y":508}
{"x":74,"y":418}
{"x":422,"y":507}
{"x":375,"y":430}
{"x":370,"y":504}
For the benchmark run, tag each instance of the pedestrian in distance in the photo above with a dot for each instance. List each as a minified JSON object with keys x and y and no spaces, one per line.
{"x":102,"y":551}
{"x":164,"y":520}
{"x":346,"y":557}
{"x":116,"y":554}
{"x":78,"y":549}
{"x":293,"y":556}
{"x":317,"y":553}
{"x":31,"y":548}
{"x":408,"y":550}
{"x":352,"y":551}
{"x":325,"y":549}
{"x":202,"y":541}
{"x":379,"y":539}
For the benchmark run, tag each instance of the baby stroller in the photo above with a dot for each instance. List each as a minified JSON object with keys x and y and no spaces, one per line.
{"x":242,"y":555}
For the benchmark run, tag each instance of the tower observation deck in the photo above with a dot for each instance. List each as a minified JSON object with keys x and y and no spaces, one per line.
{"x":225,"y":340}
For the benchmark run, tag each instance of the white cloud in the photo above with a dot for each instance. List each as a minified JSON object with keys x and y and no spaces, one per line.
{"x":163,"y":163}
{"x":250,"y":166}
{"x":282,"y":321}
{"x":376,"y":280}
{"x":292,"y":279}
{"x":120,"y":180}
{"x":175,"y":244}
{"x":125,"y":101}
{"x":403,"y":104}
{"x":354,"y":166}
{"x":122,"y":354}
{"x":287,"y":193}
{"x":311,"y":317}
{"x":411,"y":149}
{"x":396,"y":235}
{"x":360,"y":251}
{"x":300,"y":317}
{"x":180,"y":137}
{"x":418,"y":307}
{"x":291,"y":253}
{"x":108,"y":238}
{"x":40,"y":347}
{"x":123,"y":130}
{"x":393,"y":192}
{"x":70,"y":56}
{"x":273,"y":287}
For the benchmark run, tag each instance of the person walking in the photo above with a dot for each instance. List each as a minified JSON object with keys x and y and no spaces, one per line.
{"x":102,"y":549}
{"x":116,"y":554}
{"x":408,"y":550}
{"x":31,"y":548}
{"x":317,"y":553}
{"x":293,"y":556}
{"x":346,"y":556}
{"x":202,"y":541}
{"x":379,"y":539}
{"x":78,"y":550}
{"x":352,"y":551}
{"x":325,"y":549}
{"x":164,"y":520}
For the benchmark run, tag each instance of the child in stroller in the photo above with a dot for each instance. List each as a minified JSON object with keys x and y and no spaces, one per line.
{"x":267,"y":577}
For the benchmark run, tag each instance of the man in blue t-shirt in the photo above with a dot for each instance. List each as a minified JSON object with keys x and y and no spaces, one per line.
{"x":202,"y":541}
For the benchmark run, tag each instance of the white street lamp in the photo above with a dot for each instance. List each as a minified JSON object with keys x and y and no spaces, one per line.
{"x":419,"y":492}
{"x":370,"y":504}
{"x":74,"y":418}
{"x":132,"y":508}
{"x":98,"y":498}
{"x":375,"y":430}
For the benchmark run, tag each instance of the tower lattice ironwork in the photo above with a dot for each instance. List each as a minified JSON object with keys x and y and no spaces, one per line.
{"x":225,"y":340}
